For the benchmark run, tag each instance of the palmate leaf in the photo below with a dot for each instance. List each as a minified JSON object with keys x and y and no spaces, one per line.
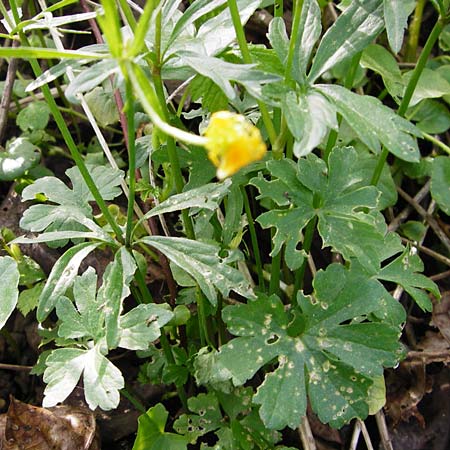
{"x":318,"y":350}
{"x":203,"y":263}
{"x":151,"y":434}
{"x":70,"y":210}
{"x":101,"y":379}
{"x":348,"y":219}
{"x":404,"y":271}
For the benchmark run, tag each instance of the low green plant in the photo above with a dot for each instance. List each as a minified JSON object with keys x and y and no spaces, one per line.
{"x":243,"y":326}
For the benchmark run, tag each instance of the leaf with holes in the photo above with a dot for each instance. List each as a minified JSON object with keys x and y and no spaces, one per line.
{"x":347,"y":215}
{"x":321,"y":350}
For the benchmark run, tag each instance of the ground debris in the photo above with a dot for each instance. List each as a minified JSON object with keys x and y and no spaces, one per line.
{"x":27,"y":427}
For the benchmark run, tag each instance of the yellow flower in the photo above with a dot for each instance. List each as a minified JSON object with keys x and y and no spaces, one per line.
{"x":232,"y":142}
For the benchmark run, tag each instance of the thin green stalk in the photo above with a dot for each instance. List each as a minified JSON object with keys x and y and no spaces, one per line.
{"x":202,"y":322}
{"x":253,"y":238}
{"x":274,"y":284}
{"x":307,"y":241}
{"x":60,"y":122}
{"x":436,"y":142}
{"x":131,"y":161}
{"x":348,"y":83}
{"x":171,"y":147}
{"x":298,"y":7}
{"x":131,"y":21}
{"x":421,"y":62}
{"x":147,"y":297}
{"x":414,"y":32}
{"x":246,"y":56}
{"x":167,"y":349}
{"x":278,"y":8}
{"x":126,"y":392}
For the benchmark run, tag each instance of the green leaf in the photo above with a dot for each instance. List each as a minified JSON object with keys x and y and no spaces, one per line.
{"x":440,"y":182}
{"x":309,"y":32}
{"x":278,"y":38}
{"x":142,"y":325}
{"x":202,"y":262}
{"x":206,"y":417}
{"x":151,"y":434}
{"x":431,"y":84}
{"x":375,"y":123}
{"x":102,"y":106}
{"x":346,"y":212}
{"x":431,"y":116}
{"x":377,"y":58}
{"x":61,"y":277}
{"x":72,"y":211}
{"x":90,"y":78}
{"x":46,"y":53}
{"x":207,"y":196}
{"x":20,"y":156}
{"x":309,"y":118}
{"x":30,"y":271}
{"x":403,"y":271}
{"x":354,"y":29}
{"x":223,"y":72}
{"x":114,"y":290}
{"x":328,"y":357}
{"x":101,"y":379}
{"x":33,"y":117}
{"x":396,"y":15}
{"x":212,"y":97}
{"x":28,"y":299}
{"x":10,"y":291}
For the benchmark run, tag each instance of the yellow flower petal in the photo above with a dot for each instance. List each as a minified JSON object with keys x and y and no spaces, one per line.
{"x":232,"y":142}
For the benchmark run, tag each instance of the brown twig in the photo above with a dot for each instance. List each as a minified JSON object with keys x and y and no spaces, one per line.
{"x":7,"y":93}
{"x":15,"y":367}
{"x":429,"y":218}
{"x":395,"y":223}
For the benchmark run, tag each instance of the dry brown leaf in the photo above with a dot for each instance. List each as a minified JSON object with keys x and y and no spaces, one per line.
{"x":27,"y":427}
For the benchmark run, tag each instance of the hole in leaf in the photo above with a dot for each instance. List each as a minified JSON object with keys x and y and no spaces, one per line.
{"x":272,"y":339}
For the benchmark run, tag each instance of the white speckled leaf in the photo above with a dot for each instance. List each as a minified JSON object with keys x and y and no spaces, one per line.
{"x":318,"y":349}
{"x":203,"y":263}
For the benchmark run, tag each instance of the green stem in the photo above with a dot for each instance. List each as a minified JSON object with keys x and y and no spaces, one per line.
{"x":278,"y":8}
{"x":307,"y":241}
{"x":432,"y":38}
{"x":167,"y":349}
{"x":60,"y":122}
{"x":414,"y":32}
{"x":436,"y":142}
{"x":246,"y":56}
{"x":274,"y":284}
{"x":253,"y":238}
{"x":131,"y":21}
{"x":202,"y":322}
{"x":298,"y":7}
{"x":348,"y":83}
{"x":171,"y":147}
{"x":131,"y":161}
{"x":133,"y":400}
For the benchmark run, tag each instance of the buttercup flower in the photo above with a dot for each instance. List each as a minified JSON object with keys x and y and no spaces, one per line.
{"x":232,"y":142}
